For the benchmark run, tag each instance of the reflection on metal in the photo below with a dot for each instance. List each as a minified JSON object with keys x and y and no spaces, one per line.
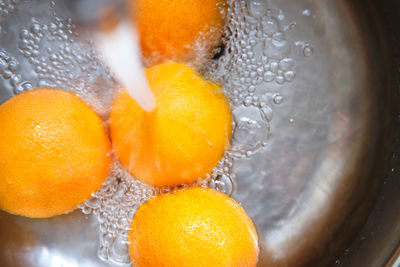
{"x":395,"y":260}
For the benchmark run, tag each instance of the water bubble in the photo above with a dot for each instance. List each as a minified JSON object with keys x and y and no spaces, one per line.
{"x":27,"y":86}
{"x":269,"y":76}
{"x":267,"y":113}
{"x":270,"y":25}
{"x":17,"y":90}
{"x":291,"y":26}
{"x":7,"y":74}
{"x":119,"y":251}
{"x":42,"y":83}
{"x":103,"y":227}
{"x":103,"y":253}
{"x":277,"y":98}
{"x":101,"y":217}
{"x":278,"y":36}
{"x":123,"y":223}
{"x":15,"y":79}
{"x":52,"y":27}
{"x":24,"y":33}
{"x":35,"y":28}
{"x":86,"y":210}
{"x":306,"y":12}
{"x":274,"y":66}
{"x":291,"y":120}
{"x":12,"y":66}
{"x":93,"y":203}
{"x":107,"y":239}
{"x":286,"y":64}
{"x":224,"y":184}
{"x":252,"y":42}
{"x":264,"y":59}
{"x":308,"y":50}
{"x":3,"y":12}
{"x":289,"y":76}
{"x":260,"y":71}
{"x":3,"y":65}
{"x":35,"y":53}
{"x":252,"y":89}
{"x":277,"y":49}
{"x":280,"y":79}
{"x":251,"y":130}
{"x":256,"y":8}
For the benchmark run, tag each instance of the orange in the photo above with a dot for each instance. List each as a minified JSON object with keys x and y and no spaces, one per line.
{"x":53,"y":153}
{"x":192,"y":227}
{"x":183,"y":138}
{"x":169,"y":29}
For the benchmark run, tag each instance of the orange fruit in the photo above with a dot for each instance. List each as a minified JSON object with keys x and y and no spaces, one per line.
{"x":192,"y":227}
{"x":169,"y":29}
{"x":183,"y":138}
{"x":53,"y":153}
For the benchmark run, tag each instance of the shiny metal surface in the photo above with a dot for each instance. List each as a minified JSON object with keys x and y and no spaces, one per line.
{"x":378,"y":243}
{"x":333,"y":144}
{"x":324,"y":156}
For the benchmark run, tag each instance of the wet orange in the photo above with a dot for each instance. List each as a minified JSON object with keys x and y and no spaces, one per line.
{"x":183,"y":138}
{"x":53,"y":153}
{"x":169,"y":29}
{"x":193,"y":227}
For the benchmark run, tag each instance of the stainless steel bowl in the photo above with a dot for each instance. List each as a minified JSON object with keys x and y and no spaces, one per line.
{"x":325,"y":188}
